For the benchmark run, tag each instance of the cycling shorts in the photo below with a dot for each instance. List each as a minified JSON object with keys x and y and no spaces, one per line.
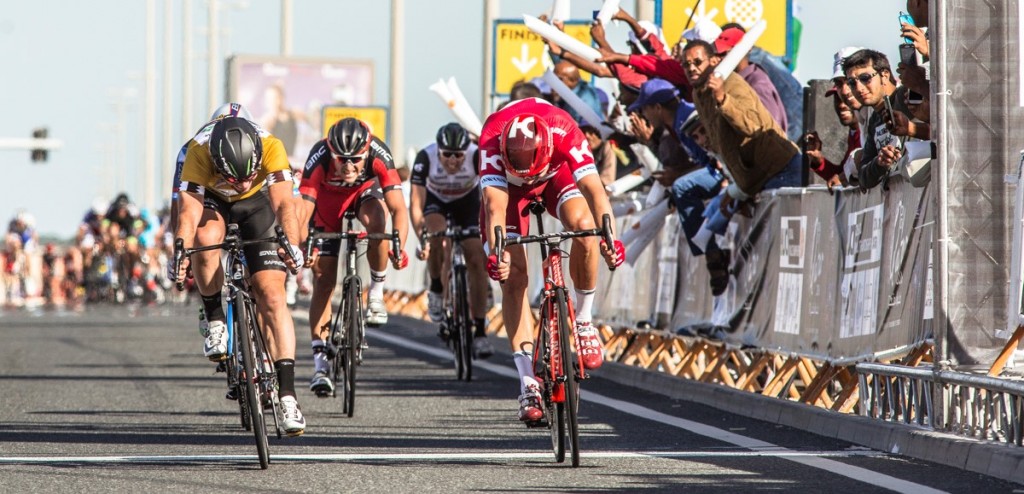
{"x":465,"y":211}
{"x":255,"y":219}
{"x":552,"y":192}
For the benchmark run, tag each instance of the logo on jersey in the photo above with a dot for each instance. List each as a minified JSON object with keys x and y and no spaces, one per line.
{"x":490,"y":160}
{"x":316,"y":157}
{"x":377,"y":148}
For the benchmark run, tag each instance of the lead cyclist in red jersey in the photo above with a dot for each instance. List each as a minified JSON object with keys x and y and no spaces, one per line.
{"x":531,"y":150}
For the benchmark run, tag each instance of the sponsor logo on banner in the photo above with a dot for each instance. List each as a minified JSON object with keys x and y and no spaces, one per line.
{"x":789,"y":295}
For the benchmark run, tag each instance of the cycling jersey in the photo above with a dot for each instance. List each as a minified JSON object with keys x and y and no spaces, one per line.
{"x":428,"y":172}
{"x":199,"y":176}
{"x":571,"y":148}
{"x":317,"y":176}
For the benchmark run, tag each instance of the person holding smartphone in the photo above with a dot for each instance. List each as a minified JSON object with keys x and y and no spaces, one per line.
{"x":869,"y":76}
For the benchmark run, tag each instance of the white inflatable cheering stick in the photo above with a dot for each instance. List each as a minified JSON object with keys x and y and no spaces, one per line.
{"x":729,"y":63}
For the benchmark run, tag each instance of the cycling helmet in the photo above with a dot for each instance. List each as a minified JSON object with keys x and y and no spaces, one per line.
{"x":349,"y":137}
{"x":526,"y":146}
{"x":452,"y":137}
{"x":230,"y":110}
{"x":236,"y":149}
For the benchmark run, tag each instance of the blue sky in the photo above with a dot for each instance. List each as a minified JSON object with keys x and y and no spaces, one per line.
{"x":70,"y":64}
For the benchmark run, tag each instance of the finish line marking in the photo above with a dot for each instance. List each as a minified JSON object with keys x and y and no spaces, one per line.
{"x":354,"y":457}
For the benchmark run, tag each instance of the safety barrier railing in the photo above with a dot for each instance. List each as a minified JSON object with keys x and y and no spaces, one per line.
{"x":969,"y":405}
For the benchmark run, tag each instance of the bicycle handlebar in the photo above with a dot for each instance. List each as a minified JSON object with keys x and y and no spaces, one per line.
{"x":605,"y":232}
{"x":462,"y":234}
{"x":232,"y":241}
{"x":393,"y":237}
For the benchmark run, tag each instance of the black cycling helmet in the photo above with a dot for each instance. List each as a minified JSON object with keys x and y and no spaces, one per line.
{"x":349,"y":137}
{"x":453,"y":137}
{"x":236,"y":149}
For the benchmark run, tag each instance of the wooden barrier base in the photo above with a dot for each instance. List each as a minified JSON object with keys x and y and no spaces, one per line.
{"x":786,"y":377}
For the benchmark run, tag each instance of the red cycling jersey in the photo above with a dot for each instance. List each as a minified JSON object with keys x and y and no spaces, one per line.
{"x":571,"y":148}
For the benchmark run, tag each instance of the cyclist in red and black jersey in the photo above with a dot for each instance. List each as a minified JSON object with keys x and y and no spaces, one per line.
{"x":350,"y":168}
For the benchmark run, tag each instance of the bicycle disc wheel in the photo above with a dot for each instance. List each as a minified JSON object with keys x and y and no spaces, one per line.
{"x":248,"y":382}
{"x":571,"y":385}
{"x":350,"y":353}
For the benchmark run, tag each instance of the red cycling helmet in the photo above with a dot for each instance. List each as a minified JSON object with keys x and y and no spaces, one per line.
{"x":525,"y":145}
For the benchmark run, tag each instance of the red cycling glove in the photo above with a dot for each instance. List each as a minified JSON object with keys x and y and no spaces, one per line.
{"x":619,"y":252}
{"x":402,"y":262}
{"x":492,"y":267}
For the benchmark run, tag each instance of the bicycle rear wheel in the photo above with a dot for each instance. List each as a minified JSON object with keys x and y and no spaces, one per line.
{"x":248,"y":381}
{"x":463,"y":332}
{"x":568,"y":374}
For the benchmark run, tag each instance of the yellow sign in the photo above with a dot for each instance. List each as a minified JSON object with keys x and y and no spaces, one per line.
{"x":674,"y":14}
{"x":376,"y":117}
{"x":519,"y":53}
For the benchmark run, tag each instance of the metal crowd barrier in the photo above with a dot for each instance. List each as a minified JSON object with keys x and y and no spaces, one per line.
{"x":969,"y":405}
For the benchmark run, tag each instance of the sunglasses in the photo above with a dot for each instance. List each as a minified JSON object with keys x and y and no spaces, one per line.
{"x":452,"y":154}
{"x":234,"y":181}
{"x":350,"y":160}
{"x":864,"y":79}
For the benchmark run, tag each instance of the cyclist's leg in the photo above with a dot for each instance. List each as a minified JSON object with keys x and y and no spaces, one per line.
{"x":436,"y":263}
{"x":574,"y":213}
{"x":208,"y":273}
{"x":372,"y":214}
{"x":325,"y":277}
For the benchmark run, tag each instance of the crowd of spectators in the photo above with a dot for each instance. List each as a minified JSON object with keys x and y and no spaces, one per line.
{"x":721,"y":139}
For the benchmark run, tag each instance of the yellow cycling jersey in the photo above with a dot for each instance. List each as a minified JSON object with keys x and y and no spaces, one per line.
{"x":199,"y":176}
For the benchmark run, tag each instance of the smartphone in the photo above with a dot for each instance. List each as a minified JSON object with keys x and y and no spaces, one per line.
{"x":908,"y":54}
{"x":914,"y":98}
{"x":905,"y":18}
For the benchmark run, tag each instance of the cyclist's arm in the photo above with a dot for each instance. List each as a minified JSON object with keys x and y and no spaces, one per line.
{"x":395,"y":202}
{"x":593,"y":191}
{"x":495,"y":203}
{"x":417,"y":198}
{"x":284,"y":209}
{"x":190,"y":211}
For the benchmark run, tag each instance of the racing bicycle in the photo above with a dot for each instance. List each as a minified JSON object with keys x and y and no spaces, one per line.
{"x":250,"y":372}
{"x":556,"y":358}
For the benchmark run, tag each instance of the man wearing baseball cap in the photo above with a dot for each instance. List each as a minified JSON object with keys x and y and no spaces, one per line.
{"x":754,"y":75}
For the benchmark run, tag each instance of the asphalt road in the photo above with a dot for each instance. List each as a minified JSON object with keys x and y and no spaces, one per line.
{"x":118,"y":399}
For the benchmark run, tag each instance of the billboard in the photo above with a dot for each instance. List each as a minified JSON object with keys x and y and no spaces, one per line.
{"x":521,"y":55}
{"x":375,"y":117}
{"x":674,"y":16}
{"x":286,"y":95}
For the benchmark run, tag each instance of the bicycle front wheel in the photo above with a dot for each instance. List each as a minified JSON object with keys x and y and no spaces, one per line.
{"x":245,"y":330}
{"x":350,"y":353}
{"x":568,"y":375}
{"x":463,"y":331}
{"x":546,"y":368}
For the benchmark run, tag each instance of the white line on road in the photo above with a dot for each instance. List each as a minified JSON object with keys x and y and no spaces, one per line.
{"x":396,"y":457}
{"x":853,"y":472}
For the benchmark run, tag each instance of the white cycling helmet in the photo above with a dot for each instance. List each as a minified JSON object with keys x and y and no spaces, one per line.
{"x":231,"y":110}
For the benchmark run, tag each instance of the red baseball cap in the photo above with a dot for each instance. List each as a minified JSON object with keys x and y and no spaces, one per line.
{"x":728,"y":39}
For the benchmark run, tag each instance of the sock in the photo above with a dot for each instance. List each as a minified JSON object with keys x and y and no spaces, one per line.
{"x":319,"y":356}
{"x":524,"y":364}
{"x":481,"y":328}
{"x":703,"y":237}
{"x":584,"y":305}
{"x":436,"y":286}
{"x":285,"y":376}
{"x":377,"y":283}
{"x":212,"y":308}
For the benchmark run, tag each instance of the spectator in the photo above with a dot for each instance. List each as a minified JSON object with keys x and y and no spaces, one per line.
{"x":749,"y":141}
{"x":754,"y":75}
{"x":832,"y":173}
{"x":869,"y":75}
{"x":620,"y":71}
{"x":570,"y":76}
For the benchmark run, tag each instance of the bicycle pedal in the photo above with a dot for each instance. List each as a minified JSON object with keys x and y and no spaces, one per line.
{"x":537,"y":424}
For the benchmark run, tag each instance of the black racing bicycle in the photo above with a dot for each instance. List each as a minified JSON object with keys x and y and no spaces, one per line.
{"x":556,"y":357}
{"x":348,"y":328}
{"x":249,"y":366}
{"x":457,"y":324}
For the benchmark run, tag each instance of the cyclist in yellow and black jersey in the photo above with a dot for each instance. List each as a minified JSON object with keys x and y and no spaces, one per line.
{"x":235,"y":172}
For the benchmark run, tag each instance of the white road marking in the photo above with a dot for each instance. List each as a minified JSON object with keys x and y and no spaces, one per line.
{"x":395,"y":457}
{"x":853,"y":472}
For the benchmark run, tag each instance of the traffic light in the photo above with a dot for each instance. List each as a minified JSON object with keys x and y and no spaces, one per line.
{"x":39,"y":154}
